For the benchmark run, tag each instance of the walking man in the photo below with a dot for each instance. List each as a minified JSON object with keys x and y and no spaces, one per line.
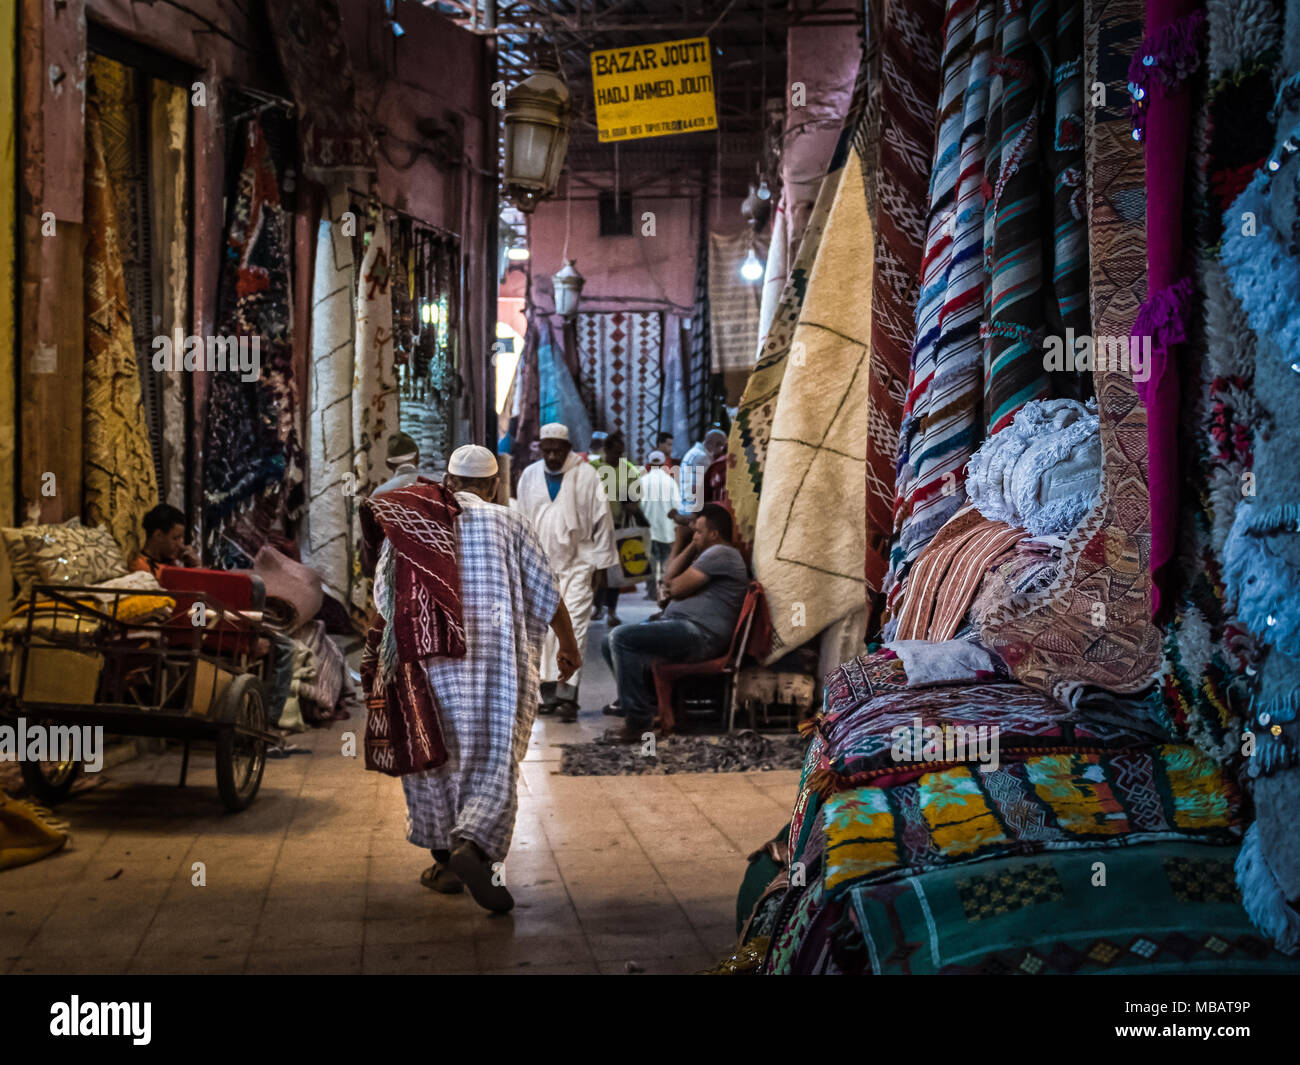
{"x":464,"y":595}
{"x":563,"y":497}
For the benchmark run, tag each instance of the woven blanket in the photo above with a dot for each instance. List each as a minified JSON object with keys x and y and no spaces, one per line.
{"x":327,"y":543}
{"x":119,"y":483}
{"x":908,"y":99}
{"x":1177,"y":912}
{"x":774,"y":278}
{"x":1092,"y":625}
{"x":418,"y":522}
{"x":733,"y":309}
{"x":1046,"y":802}
{"x":622,"y":380}
{"x":942,"y":416}
{"x":1035,"y":244}
{"x":809,"y":536}
{"x":948,"y":574}
{"x":901,"y":734}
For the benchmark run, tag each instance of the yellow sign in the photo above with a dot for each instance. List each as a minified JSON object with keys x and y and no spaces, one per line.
{"x":654,"y":90}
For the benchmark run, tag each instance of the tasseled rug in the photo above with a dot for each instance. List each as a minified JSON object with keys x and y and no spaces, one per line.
{"x":735,"y":752}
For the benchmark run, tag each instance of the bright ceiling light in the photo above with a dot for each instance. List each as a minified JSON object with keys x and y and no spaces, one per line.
{"x":517,"y":255}
{"x":751,"y":269}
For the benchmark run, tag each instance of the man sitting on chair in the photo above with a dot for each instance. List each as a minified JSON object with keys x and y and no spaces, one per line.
{"x":707,"y":584}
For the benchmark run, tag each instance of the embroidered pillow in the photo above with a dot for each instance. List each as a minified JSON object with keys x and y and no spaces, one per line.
{"x":21,"y":562}
{"x":75,"y":555}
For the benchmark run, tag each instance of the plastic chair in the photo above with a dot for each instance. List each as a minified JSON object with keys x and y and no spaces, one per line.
{"x":666,"y":674}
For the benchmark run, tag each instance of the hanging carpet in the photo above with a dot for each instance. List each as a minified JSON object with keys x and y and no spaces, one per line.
{"x":1092,"y":625}
{"x":559,"y":400}
{"x":119,"y":482}
{"x":252,"y":461}
{"x":809,"y":537}
{"x":620,"y":354}
{"x":943,"y":413}
{"x":327,"y":545}
{"x":909,"y":93}
{"x":734,"y":305}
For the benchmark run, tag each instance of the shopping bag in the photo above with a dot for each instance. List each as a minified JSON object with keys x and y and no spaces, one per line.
{"x":633,"y":566}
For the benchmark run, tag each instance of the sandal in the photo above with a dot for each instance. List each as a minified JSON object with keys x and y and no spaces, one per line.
{"x":568,"y":710}
{"x":470,"y":864}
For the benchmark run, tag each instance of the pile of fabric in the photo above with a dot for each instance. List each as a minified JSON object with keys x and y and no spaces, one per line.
{"x":1091,"y":650}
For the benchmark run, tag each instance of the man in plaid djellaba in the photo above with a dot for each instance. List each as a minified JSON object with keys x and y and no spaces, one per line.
{"x":461,"y":799}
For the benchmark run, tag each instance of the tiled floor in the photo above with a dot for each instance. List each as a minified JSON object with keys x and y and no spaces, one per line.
{"x":609,"y":874}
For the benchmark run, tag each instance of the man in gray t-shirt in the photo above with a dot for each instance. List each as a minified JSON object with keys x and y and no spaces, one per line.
{"x":707,"y":584}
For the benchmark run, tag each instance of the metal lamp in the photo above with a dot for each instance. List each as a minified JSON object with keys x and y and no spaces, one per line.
{"x":537,"y":120}
{"x":567,"y":283}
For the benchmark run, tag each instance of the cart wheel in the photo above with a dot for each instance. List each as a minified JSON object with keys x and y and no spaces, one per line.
{"x":240,"y":759}
{"x":50,"y":781}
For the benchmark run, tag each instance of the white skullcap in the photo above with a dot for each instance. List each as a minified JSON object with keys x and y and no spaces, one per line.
{"x":472,"y":460}
{"x":656,"y":456}
{"x":555,"y":431}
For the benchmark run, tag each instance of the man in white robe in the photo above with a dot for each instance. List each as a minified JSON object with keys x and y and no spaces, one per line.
{"x":564,"y":498}
{"x":464,"y":810}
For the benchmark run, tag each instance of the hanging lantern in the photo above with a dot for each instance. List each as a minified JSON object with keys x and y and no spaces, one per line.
{"x":568,"y":287}
{"x":536,"y":137}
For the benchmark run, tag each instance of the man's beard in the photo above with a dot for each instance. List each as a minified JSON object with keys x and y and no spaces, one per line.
{"x":557,"y":468}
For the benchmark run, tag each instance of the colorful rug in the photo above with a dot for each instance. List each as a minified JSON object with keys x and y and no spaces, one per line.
{"x":621,"y":359}
{"x":1092,"y":625}
{"x":809,"y":536}
{"x":1035,"y":247}
{"x":252,"y":460}
{"x":942,"y":416}
{"x":326,"y":545}
{"x":1170,"y":908}
{"x":119,"y":483}
{"x":909,"y":94}
{"x":1047,"y":802}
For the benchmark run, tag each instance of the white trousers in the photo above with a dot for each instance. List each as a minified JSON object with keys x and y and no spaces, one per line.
{"x":575,"y":590}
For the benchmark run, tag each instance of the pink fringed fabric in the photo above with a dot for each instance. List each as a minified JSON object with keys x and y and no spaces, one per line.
{"x":1176,"y":28}
{"x":1164,"y":62}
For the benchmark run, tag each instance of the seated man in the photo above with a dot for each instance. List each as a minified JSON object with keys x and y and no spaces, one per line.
{"x":164,"y":541}
{"x":707,"y":583}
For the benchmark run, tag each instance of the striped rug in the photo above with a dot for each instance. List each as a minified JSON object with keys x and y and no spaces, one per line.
{"x":621,"y":360}
{"x":942,"y":415}
{"x":909,"y":94}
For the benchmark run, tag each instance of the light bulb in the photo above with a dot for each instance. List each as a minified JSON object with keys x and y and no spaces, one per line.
{"x":751,"y":269}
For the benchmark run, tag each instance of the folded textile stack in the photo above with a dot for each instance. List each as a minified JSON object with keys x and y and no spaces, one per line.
{"x":975,"y":828}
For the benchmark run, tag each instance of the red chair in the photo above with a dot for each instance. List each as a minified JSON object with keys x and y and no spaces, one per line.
{"x":666,"y":674}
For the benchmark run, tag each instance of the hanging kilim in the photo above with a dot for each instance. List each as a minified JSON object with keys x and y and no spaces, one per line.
{"x":1035,"y":240}
{"x":118,"y":479}
{"x":909,"y":96}
{"x":252,"y":461}
{"x":733,"y":309}
{"x":327,"y":547}
{"x":752,"y":427}
{"x":1092,"y":625}
{"x":809,"y":536}
{"x":699,"y":363}
{"x":621,"y":357}
{"x":943,"y":414}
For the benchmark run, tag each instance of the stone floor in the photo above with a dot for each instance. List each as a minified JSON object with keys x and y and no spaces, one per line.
{"x":609,"y":874}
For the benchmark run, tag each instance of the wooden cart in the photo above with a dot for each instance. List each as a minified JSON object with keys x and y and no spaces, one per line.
{"x":196,"y":676}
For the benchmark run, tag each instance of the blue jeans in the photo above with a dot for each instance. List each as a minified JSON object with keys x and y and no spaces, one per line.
{"x":631,"y":650}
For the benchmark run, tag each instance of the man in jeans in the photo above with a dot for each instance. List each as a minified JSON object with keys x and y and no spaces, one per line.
{"x":707,"y":583}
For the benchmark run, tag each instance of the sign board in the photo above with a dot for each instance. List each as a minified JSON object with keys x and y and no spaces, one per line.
{"x":654,"y":90}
